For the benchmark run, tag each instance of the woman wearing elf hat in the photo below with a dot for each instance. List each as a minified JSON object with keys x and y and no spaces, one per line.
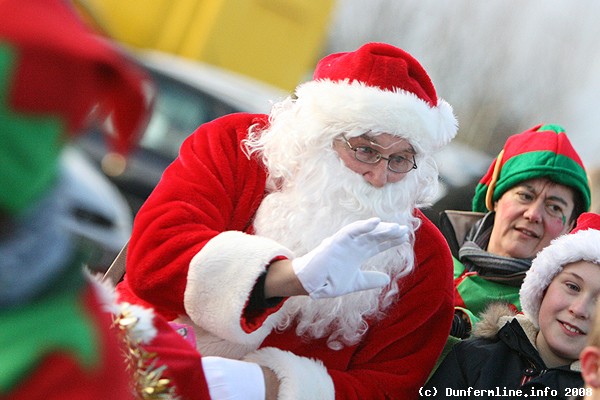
{"x":536,"y":352}
{"x":532,"y":193}
{"x":293,"y":242}
{"x":56,"y":334}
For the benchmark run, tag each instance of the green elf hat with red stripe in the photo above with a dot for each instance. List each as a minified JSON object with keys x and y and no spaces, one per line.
{"x":56,"y":76}
{"x":543,"y":151}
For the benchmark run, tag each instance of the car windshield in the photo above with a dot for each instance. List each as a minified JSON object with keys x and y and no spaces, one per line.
{"x":178,"y":111}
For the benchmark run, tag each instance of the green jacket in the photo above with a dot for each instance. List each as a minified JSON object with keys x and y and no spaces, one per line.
{"x":475,"y":290}
{"x":472,"y":293}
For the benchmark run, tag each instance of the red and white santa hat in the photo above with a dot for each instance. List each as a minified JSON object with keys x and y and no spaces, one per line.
{"x":582,"y":244}
{"x":379,"y":88}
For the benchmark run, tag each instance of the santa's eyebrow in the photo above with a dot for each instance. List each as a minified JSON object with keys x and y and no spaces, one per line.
{"x":371,"y":140}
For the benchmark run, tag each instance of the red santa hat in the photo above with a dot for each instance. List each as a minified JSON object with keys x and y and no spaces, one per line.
{"x":582,"y":244}
{"x":379,"y":88}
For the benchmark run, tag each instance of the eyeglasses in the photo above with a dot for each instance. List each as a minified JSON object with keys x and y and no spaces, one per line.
{"x":368,"y":155}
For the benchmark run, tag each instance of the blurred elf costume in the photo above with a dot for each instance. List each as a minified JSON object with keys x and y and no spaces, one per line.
{"x":544,"y":151}
{"x":58,"y":338}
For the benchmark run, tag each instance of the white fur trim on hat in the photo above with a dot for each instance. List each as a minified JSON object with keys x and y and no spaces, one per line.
{"x":300,"y":378}
{"x":583,"y":245}
{"x":220,"y":279}
{"x":355,"y":105}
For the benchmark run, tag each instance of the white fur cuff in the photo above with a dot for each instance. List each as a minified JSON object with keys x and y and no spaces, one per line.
{"x":220,"y":279}
{"x":300,"y":378}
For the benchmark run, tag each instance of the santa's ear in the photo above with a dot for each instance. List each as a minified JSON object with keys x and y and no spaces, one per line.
{"x":590,"y":366}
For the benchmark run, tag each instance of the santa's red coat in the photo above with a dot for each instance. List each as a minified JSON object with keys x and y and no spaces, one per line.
{"x":192,"y":252}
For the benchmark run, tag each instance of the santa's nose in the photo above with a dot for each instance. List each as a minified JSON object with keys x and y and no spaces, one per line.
{"x":378,"y":174}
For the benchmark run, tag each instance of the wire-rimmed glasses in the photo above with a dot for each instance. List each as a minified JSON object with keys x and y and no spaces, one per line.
{"x":369,"y":155}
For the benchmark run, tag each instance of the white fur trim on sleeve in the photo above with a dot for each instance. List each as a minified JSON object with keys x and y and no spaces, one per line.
{"x":220,"y":279}
{"x":300,"y":378}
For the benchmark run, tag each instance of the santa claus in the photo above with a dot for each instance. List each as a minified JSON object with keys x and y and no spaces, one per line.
{"x":293,"y":243}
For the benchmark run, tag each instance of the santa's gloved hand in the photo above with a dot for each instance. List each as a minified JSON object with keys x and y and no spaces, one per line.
{"x":229,"y":379}
{"x":333,"y":268}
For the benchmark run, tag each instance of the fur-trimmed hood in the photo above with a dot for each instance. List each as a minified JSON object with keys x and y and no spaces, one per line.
{"x":497,"y":315}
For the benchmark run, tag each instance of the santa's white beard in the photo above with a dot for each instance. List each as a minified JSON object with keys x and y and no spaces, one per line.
{"x":322,"y":197}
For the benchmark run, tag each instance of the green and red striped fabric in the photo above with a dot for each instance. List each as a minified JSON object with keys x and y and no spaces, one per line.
{"x":56,"y":75}
{"x":542,"y":151}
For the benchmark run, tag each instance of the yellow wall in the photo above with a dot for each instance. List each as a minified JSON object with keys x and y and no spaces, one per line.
{"x":276,"y":41}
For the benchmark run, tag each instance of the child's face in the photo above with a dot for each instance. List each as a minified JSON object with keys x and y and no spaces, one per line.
{"x":566,"y":312}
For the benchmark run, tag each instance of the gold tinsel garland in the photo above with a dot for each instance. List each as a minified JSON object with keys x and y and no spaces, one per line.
{"x":148,"y":380}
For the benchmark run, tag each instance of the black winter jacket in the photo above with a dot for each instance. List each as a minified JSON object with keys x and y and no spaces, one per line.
{"x":502,"y":365}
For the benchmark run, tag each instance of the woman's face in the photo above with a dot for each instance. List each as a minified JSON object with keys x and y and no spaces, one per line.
{"x":529,"y":216}
{"x":387,"y":145}
{"x":567,"y":311}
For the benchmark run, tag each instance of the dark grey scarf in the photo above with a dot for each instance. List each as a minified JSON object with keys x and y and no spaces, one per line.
{"x":473,"y":254}
{"x":35,"y":248}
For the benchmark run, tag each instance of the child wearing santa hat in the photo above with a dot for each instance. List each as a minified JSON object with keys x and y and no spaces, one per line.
{"x":537,"y":352}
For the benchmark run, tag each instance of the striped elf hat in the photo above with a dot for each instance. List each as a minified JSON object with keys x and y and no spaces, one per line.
{"x":543,"y":151}
{"x":55,"y":74}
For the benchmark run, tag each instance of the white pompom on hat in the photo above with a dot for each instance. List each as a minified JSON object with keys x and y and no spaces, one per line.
{"x":582,"y":244}
{"x":379,"y":88}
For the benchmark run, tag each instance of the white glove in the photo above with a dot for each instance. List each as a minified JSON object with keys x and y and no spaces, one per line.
{"x":229,"y":379}
{"x":333,"y":268}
